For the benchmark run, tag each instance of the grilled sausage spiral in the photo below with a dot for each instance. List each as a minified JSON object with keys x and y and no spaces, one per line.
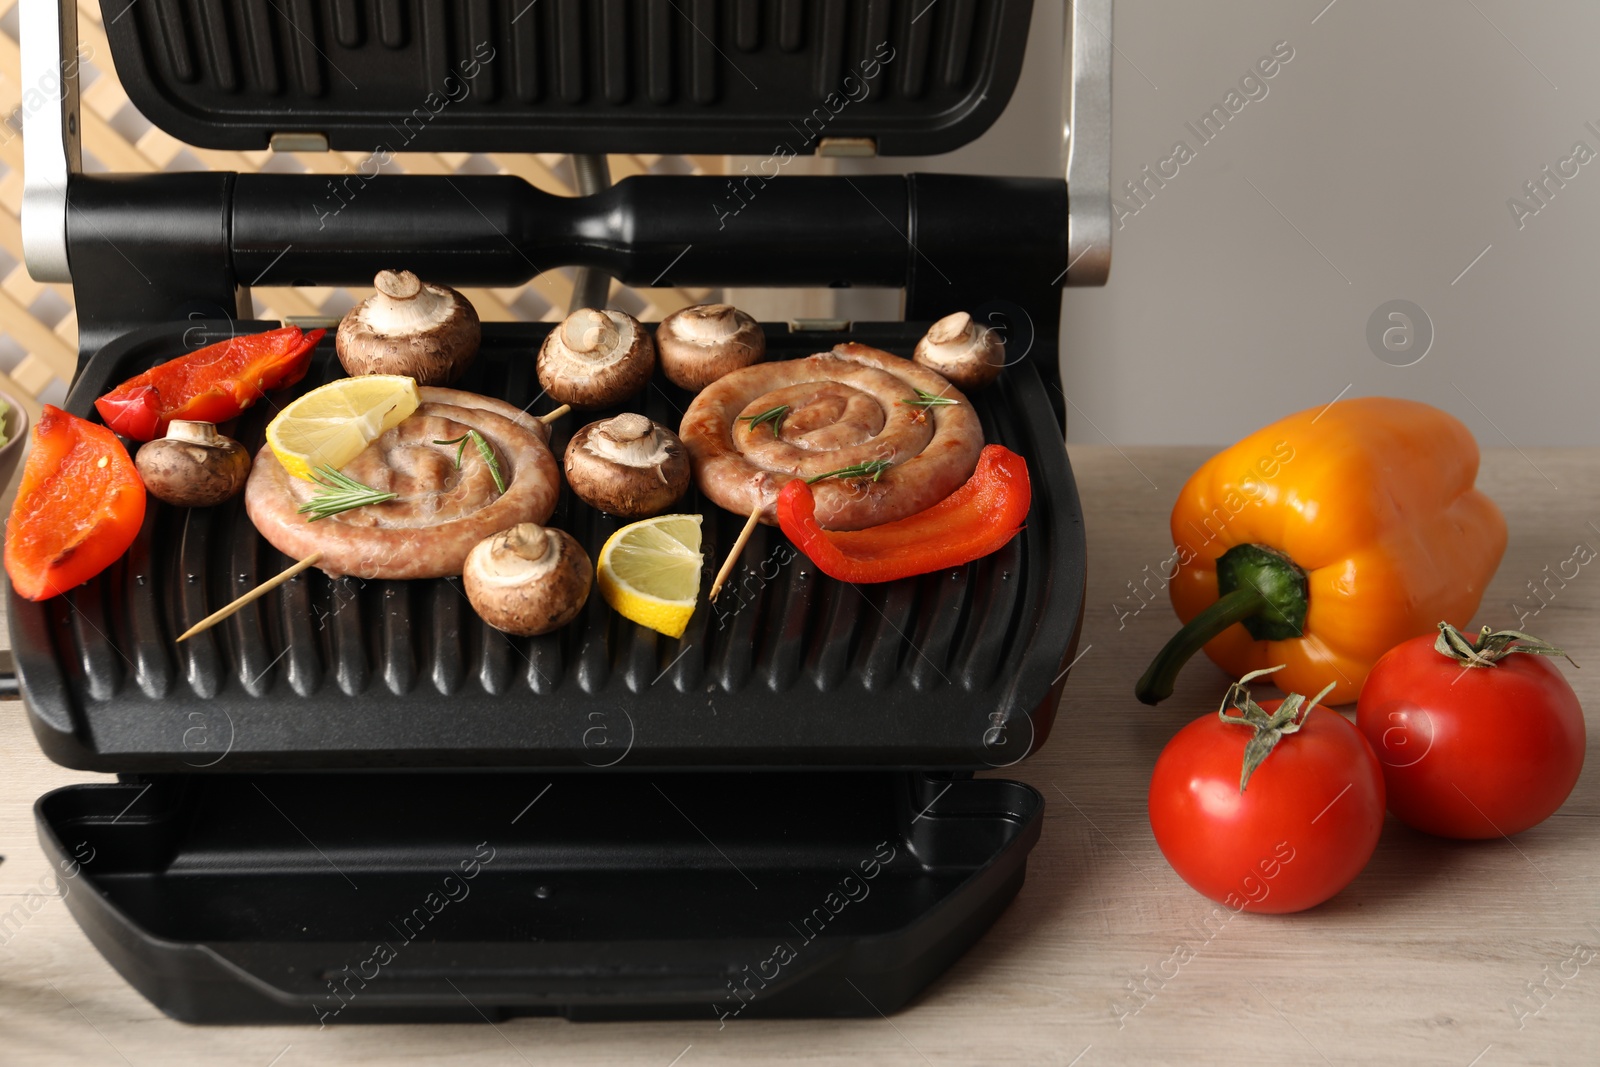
{"x":442,"y":510}
{"x":852,"y":406}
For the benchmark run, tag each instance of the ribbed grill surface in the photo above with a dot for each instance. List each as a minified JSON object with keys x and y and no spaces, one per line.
{"x":620,"y":51}
{"x":790,"y":667}
{"x":895,"y":66}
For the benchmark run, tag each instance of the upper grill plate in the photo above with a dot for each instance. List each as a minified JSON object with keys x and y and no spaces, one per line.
{"x":760,"y":77}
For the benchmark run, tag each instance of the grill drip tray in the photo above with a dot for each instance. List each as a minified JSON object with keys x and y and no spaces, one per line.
{"x":960,"y":669}
{"x":457,"y":897}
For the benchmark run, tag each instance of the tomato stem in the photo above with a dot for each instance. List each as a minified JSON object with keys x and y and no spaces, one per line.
{"x":1491,"y":647}
{"x":1268,"y":729}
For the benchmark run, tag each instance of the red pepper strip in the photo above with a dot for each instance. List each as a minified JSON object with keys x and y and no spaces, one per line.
{"x":975,"y":520}
{"x":213,"y":384}
{"x":79,"y":506}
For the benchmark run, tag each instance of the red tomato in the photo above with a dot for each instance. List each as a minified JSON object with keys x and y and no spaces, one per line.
{"x":1304,"y":827}
{"x":1472,"y":752}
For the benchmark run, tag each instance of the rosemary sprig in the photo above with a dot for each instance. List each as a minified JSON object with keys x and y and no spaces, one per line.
{"x":772,"y":415}
{"x":872,"y":468}
{"x":484,"y":450}
{"x":343,"y":493}
{"x":927,"y":400}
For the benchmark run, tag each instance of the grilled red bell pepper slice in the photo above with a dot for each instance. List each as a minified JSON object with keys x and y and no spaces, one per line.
{"x":975,"y":520}
{"x":79,"y":506}
{"x":213,"y":384}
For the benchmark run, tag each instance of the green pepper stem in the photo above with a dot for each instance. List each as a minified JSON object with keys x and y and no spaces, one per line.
{"x":1158,"y":679}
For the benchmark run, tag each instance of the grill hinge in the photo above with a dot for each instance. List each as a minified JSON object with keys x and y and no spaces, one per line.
{"x":848,"y":147}
{"x":299,"y":142}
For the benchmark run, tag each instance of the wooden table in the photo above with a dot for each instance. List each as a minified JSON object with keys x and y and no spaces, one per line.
{"x":1419,"y":961}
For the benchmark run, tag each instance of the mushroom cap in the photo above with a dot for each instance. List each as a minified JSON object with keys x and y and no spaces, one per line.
{"x":700,"y":344}
{"x":418,"y":329}
{"x":627,"y":466}
{"x":596,"y":358}
{"x":968,"y":354}
{"x":193,"y":466}
{"x":528,"y":580}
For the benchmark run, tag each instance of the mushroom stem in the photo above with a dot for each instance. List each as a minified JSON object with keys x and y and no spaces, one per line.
{"x":629,"y":426}
{"x":552,"y":416}
{"x":587,"y":330}
{"x":629,"y":439}
{"x":733,"y":553}
{"x":398,"y":285}
{"x":402,"y":304}
{"x":710,"y":323}
{"x":956,"y":327}
{"x":527,"y":541}
{"x":195,"y":433}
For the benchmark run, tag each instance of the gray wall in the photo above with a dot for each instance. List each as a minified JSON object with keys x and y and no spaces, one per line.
{"x":1377,"y":167}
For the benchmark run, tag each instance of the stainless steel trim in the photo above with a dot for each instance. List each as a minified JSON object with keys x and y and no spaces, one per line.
{"x":50,"y":132}
{"x":1086,"y":140}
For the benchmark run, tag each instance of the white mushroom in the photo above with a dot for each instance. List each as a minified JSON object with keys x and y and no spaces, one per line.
{"x":627,"y":466}
{"x":410,"y":327}
{"x":968,"y":354}
{"x":194,"y":466}
{"x":596,"y":358}
{"x":700,"y":344}
{"x":528,"y":580}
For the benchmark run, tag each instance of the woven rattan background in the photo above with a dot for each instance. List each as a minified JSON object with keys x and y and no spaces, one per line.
{"x":39,"y":348}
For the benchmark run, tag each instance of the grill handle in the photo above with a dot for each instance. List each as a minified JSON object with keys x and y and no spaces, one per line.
{"x":163,"y":247}
{"x":499,"y":230}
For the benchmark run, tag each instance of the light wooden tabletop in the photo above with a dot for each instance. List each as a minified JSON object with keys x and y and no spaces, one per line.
{"x":1419,"y":961}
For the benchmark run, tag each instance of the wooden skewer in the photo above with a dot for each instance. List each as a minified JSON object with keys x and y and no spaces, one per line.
{"x":255,"y":594}
{"x":733,"y":554}
{"x":547,"y":419}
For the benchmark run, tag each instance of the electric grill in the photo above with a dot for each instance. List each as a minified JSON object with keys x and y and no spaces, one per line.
{"x":354,"y":800}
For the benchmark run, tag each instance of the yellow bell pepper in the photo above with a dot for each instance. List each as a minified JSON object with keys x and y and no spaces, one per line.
{"x":1324,"y":540}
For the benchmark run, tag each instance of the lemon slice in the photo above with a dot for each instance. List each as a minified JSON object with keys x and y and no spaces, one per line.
{"x":332,"y":424}
{"x":650,"y":572}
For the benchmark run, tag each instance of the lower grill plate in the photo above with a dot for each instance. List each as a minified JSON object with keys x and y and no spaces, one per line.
{"x":790,"y":669}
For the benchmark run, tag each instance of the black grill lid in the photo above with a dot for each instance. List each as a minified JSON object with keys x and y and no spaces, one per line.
{"x":960,"y":669}
{"x":916,"y":77}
